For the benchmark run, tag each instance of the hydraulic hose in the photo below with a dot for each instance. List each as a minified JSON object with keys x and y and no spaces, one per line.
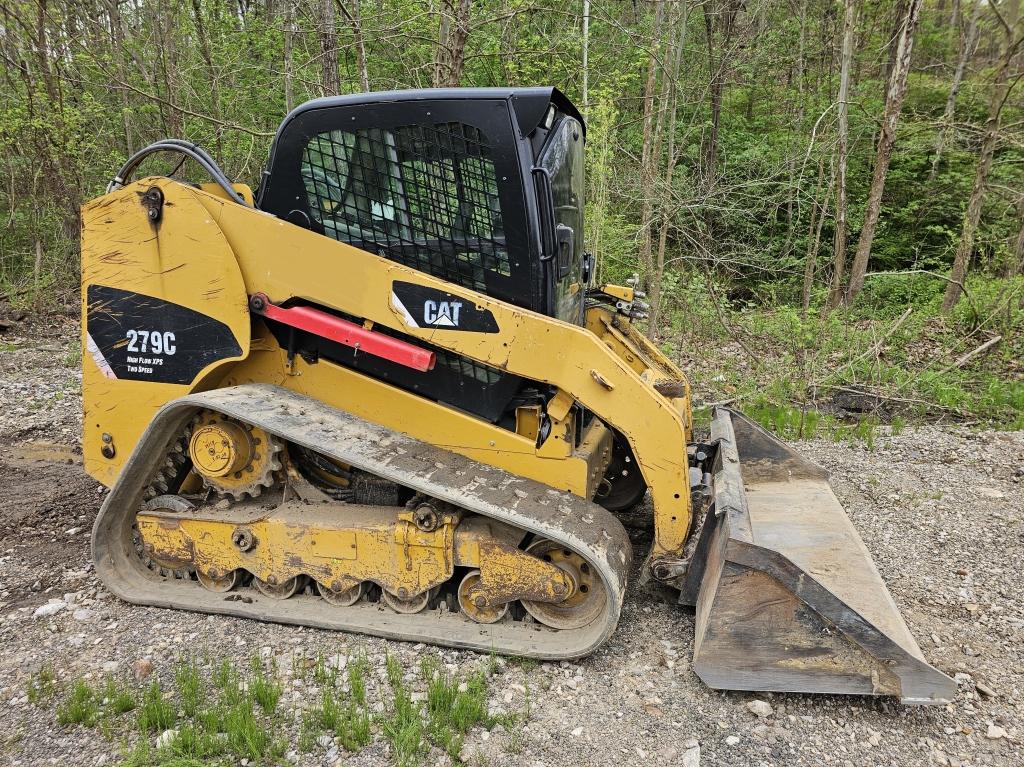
{"x":186,"y":148}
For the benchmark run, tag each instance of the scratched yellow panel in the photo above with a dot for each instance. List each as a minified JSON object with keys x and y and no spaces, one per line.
{"x":184,"y":259}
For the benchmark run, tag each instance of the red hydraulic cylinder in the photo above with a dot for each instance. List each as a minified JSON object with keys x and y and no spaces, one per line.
{"x":344,"y":332}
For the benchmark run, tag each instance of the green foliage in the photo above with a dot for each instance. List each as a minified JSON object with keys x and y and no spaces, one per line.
{"x":189,"y":685}
{"x":41,"y":686}
{"x":247,"y":737}
{"x":264,"y":688}
{"x":156,"y":713}
{"x":118,"y":698}
{"x":452,"y":711}
{"x":403,"y":726}
{"x":80,"y":707}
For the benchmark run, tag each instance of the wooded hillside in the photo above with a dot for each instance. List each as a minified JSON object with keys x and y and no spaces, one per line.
{"x":719,"y":130}
{"x":741,"y":153}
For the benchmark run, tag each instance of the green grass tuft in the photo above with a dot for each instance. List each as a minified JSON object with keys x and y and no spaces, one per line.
{"x":403,"y":725}
{"x":247,"y":737}
{"x":80,"y":707}
{"x":41,"y":686}
{"x":265,"y":689}
{"x":190,"y":687}
{"x":117,"y":698}
{"x":156,"y":713}
{"x":452,"y":711}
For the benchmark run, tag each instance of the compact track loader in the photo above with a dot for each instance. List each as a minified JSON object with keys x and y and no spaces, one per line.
{"x":383,"y":395}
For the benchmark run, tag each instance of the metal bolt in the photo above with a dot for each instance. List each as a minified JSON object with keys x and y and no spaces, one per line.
{"x":480,"y":601}
{"x":558,"y":587}
{"x":272,"y":580}
{"x":336,"y":586}
{"x":402,"y":592}
{"x":107,"y":438}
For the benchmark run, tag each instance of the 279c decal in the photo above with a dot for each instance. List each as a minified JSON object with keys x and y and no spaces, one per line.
{"x":151,"y":341}
{"x":135,"y":337}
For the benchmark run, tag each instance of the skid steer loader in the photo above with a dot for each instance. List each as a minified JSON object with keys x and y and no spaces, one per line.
{"x":384,"y":395}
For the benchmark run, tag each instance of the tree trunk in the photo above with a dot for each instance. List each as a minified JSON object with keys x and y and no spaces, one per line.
{"x":966,"y":51}
{"x":675,"y":56}
{"x":1017,"y":253}
{"x":819,"y":211}
{"x":839,"y":259}
{"x":719,"y":25}
{"x":586,"y":51}
{"x":453,"y":33}
{"x":330,"y":79}
{"x":1001,"y":86}
{"x":893,"y":48}
{"x":211,"y":71}
{"x":647,"y":158}
{"x":801,"y":68}
{"x":289,"y":43}
{"x":886,"y":141}
{"x":355,"y":21}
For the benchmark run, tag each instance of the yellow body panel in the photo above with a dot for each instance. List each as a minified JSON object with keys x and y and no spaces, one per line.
{"x":210,"y":254}
{"x":196,"y":269}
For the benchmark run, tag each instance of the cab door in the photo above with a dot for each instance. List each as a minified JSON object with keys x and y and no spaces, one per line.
{"x":562,"y":162}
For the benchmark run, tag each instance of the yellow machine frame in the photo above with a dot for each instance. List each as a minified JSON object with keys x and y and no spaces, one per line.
{"x":210,"y":254}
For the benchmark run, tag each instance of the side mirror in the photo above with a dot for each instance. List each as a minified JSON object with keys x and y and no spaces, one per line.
{"x":565,"y":240}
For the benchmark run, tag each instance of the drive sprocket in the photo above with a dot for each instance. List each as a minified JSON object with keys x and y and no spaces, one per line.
{"x":233,"y":458}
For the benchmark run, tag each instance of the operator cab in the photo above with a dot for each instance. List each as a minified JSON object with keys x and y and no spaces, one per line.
{"x":482,"y":187}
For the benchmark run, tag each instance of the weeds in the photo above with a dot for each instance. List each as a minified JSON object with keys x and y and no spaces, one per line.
{"x":265,"y":690}
{"x":80,"y":707}
{"x":156,"y":713}
{"x":189,"y":684}
{"x":41,"y":686}
{"x":246,"y":736}
{"x":403,"y":726}
{"x":347,"y":719}
{"x":118,"y":698}
{"x":226,"y":719}
{"x":454,"y":708}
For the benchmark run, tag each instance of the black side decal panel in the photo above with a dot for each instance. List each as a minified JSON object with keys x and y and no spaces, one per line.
{"x":423,"y":307}
{"x":136,"y":337}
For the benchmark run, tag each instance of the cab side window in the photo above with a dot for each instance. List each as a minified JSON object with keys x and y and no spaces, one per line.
{"x":423,"y":195}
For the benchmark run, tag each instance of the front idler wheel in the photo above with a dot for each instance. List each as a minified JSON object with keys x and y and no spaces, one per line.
{"x":585,"y":605}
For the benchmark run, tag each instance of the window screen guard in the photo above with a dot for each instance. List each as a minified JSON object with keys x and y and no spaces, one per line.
{"x":423,"y":195}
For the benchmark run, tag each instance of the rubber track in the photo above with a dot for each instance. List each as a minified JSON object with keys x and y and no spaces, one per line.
{"x":576,"y":523}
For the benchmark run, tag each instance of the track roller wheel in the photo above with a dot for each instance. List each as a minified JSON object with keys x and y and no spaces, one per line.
{"x":282,"y":590}
{"x":480,"y":613}
{"x":344,"y":597}
{"x":587,"y":602}
{"x":409,"y":605}
{"x":220,"y":583}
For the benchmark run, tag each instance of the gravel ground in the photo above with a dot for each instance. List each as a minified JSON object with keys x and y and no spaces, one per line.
{"x":940,"y":509}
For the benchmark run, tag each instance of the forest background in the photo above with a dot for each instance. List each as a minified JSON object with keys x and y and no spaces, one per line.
{"x":823,"y":199}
